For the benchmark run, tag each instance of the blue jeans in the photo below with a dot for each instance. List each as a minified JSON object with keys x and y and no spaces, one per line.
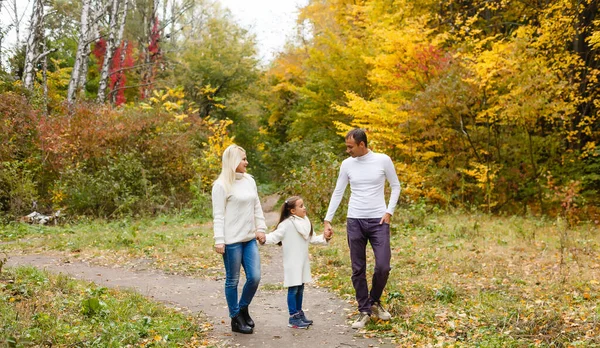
{"x":243,"y":254}
{"x":294,"y":300}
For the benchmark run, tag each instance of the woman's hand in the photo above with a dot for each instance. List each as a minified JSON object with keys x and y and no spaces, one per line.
{"x":261,"y":237}
{"x":220,"y":248}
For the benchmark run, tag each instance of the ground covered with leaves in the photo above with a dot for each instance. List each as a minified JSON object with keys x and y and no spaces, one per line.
{"x":40,"y":309}
{"x":476,"y":280}
{"x":457,"y":278}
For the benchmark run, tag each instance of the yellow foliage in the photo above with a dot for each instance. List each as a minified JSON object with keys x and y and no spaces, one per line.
{"x":209,"y":165}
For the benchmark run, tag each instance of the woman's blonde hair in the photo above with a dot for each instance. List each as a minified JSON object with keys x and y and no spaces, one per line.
{"x":232,"y":156}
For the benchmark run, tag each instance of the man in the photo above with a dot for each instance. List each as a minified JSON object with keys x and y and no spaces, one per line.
{"x":368,"y":220}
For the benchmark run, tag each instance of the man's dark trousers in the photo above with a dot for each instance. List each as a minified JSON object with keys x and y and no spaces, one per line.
{"x":361,"y":231}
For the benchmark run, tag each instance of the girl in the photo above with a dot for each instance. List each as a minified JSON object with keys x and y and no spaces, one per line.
{"x":295,"y":232}
{"x":238,"y":220}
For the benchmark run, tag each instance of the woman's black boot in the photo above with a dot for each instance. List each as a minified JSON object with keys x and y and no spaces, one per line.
{"x":244,"y":313}
{"x":238,"y":324}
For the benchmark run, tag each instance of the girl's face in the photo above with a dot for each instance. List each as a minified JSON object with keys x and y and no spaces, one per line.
{"x":299,"y":209}
{"x":241,"y":168}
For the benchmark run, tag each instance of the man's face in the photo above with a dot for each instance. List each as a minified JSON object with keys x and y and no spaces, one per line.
{"x":354,"y":149}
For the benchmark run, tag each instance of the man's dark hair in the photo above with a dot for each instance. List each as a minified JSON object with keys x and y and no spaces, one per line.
{"x":358,"y":134}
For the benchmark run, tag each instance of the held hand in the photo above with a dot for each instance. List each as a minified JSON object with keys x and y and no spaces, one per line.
{"x":386,"y":218}
{"x":261,"y":237}
{"x":328,"y":232}
{"x":220,"y":248}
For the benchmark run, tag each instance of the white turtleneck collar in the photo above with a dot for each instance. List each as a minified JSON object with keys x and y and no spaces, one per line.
{"x":239,"y":176}
{"x":365,"y":157}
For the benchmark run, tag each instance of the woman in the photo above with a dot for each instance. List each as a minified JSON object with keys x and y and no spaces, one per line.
{"x":238,"y":221}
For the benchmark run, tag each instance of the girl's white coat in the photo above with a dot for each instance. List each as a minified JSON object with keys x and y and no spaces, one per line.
{"x":294,"y":233}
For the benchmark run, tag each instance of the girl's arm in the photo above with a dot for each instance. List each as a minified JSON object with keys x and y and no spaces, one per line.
{"x":277,"y":235}
{"x":320,"y":239}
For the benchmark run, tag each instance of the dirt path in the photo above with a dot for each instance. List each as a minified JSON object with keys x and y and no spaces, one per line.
{"x":269,"y":308}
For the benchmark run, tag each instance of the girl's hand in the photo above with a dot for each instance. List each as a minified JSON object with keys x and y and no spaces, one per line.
{"x":220,"y":248}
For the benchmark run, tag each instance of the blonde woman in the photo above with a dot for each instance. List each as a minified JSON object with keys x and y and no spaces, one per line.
{"x":238,"y":222}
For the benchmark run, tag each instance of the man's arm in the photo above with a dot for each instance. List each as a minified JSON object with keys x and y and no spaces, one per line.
{"x":336,"y":198}
{"x":392,"y":178}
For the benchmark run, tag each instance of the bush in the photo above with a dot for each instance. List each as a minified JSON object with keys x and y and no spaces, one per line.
{"x":121,"y":188}
{"x":17,"y":127}
{"x":121,"y":162}
{"x":17,"y":189}
{"x":315,"y":183}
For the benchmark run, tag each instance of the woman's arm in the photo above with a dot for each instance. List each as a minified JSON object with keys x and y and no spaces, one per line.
{"x":219,"y":199}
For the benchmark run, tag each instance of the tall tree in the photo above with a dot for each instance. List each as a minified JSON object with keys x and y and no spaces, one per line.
{"x":82,"y":50}
{"x":34,"y":39}
{"x":115,"y":34}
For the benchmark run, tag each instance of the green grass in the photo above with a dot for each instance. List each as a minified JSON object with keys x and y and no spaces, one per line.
{"x":40,"y":309}
{"x":173,"y":244}
{"x":466,"y":279}
{"x":481,"y":281}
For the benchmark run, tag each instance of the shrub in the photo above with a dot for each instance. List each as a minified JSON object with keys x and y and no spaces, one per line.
{"x":17,"y":127}
{"x":17,"y":188}
{"x":315,"y":183}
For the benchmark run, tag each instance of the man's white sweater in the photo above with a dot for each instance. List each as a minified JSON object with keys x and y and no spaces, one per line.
{"x":367,"y":175}
{"x":237,"y":214}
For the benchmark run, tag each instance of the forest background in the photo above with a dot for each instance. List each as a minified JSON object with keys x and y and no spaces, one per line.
{"x":116,"y":108}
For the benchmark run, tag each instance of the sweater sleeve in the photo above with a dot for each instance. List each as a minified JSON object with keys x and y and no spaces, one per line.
{"x":338,"y":193}
{"x":320,"y":239}
{"x":277,"y":235}
{"x":218,"y":202}
{"x":392,"y":178}
{"x":259,"y":217}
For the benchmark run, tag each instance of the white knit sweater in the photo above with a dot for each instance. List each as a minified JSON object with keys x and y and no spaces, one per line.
{"x":237,"y":214}
{"x":367,"y":175}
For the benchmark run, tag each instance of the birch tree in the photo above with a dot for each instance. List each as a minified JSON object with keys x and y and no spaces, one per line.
{"x":149,"y":21}
{"x":82,"y":49}
{"x":16,"y":18}
{"x":33,"y":43}
{"x":96,"y":11}
{"x":115,"y":29}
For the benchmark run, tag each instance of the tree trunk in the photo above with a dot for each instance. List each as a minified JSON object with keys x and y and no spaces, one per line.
{"x":82,"y":49}
{"x":114,"y":92}
{"x":45,"y":80}
{"x":110,"y":50}
{"x":33,"y":43}
{"x":148,"y":67}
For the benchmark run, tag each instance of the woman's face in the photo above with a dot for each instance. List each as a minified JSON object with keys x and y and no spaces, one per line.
{"x":241,"y":168}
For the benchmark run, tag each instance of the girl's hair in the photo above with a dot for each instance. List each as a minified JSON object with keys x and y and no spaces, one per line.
{"x":286,"y":210}
{"x":232,"y":156}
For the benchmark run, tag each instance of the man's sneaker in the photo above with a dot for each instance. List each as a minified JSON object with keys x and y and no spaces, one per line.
{"x":380,"y":312}
{"x":363,"y":319}
{"x":304,"y":318}
{"x":296,"y":322}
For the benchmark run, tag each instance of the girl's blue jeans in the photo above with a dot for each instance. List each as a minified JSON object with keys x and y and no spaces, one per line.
{"x":244,"y":254}
{"x":294,"y":299}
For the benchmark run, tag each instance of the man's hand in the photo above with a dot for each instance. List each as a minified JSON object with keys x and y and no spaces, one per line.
{"x":386,"y":218}
{"x":261,"y":237}
{"x":328,"y":232}
{"x":220,"y":248}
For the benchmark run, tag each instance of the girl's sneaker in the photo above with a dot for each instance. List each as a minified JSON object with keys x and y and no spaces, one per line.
{"x":304,"y":318}
{"x":296,"y":322}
